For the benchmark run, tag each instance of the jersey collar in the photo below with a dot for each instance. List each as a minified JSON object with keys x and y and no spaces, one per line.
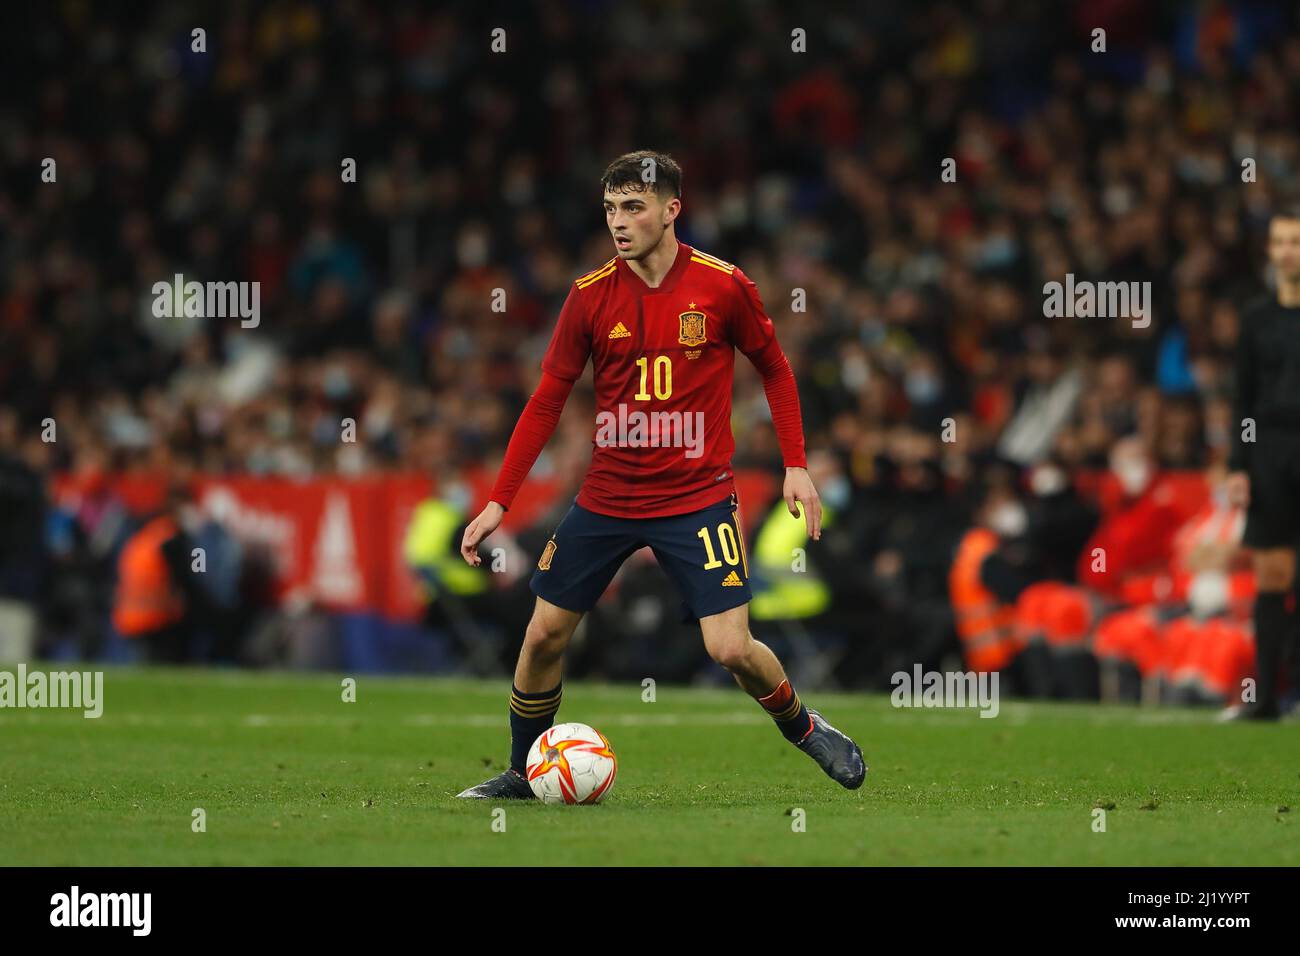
{"x":670,"y":280}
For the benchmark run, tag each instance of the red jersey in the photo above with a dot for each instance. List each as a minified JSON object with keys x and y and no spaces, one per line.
{"x":663,"y":361}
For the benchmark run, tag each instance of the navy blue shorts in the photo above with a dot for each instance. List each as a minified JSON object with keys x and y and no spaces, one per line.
{"x":702,"y":552}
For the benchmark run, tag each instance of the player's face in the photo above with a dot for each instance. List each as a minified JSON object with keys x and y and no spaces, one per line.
{"x":1284,"y":248}
{"x":636,"y":220}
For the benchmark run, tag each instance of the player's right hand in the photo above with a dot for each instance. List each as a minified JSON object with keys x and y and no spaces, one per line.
{"x":477,"y":530}
{"x":1237,"y":486}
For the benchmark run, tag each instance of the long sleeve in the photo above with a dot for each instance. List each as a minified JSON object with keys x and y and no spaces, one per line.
{"x":783,"y":399}
{"x":753,"y":333}
{"x":565,"y":358}
{"x":532,"y":432}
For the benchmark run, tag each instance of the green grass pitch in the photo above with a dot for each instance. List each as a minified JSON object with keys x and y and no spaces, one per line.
{"x":287,"y":773}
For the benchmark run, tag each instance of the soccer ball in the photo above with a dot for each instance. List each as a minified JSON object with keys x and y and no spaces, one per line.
{"x":571,"y":763}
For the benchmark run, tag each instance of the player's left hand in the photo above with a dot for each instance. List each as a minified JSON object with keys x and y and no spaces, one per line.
{"x":799,"y":488}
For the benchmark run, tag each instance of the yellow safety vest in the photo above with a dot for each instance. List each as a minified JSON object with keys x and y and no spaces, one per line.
{"x":429,"y":547}
{"x":788,"y":594}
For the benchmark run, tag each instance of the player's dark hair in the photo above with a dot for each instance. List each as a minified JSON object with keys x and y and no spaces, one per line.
{"x":644,"y":169}
{"x":1289,"y":209}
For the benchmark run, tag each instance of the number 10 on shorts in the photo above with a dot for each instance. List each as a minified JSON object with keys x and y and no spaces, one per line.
{"x":727,"y":539}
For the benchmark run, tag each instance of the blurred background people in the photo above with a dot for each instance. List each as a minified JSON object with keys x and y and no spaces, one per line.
{"x":911,"y":311}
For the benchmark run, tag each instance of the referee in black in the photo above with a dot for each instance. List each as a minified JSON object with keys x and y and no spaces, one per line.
{"x":1265,"y":462}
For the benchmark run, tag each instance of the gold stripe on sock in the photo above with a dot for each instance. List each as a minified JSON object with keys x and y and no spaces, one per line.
{"x":789,"y":711}
{"x":534,"y":708}
{"x":534,"y":704}
{"x":529,"y":699}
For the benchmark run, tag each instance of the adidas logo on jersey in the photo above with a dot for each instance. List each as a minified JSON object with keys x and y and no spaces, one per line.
{"x":732,"y":580}
{"x":619,"y":332}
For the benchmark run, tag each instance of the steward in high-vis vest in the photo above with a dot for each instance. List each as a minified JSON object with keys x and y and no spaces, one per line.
{"x":462,"y":603}
{"x":148,"y":599}
{"x":784,"y":590}
{"x":985,"y":624}
{"x":161,"y":599}
{"x":994,"y":563}
{"x":432,"y":551}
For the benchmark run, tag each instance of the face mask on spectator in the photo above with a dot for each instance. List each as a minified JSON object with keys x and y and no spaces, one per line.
{"x":1133,"y":475}
{"x":836,"y":492}
{"x":190,"y":519}
{"x":855,"y":373}
{"x":472,"y":250}
{"x":337,"y":383}
{"x":921,"y":387}
{"x":1047,"y":480}
{"x":1009,"y":520}
{"x":457,"y":495}
{"x":1220,"y":496}
{"x":998,"y":251}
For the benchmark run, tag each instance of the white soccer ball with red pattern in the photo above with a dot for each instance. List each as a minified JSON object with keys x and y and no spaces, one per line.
{"x":571,"y":763}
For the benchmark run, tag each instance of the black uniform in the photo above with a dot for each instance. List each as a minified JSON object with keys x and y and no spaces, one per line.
{"x":1268,"y":391}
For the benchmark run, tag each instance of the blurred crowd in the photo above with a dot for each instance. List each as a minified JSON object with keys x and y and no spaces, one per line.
{"x":923,"y":357}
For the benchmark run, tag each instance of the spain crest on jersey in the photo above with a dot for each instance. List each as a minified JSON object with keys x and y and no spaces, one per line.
{"x":691,"y":329}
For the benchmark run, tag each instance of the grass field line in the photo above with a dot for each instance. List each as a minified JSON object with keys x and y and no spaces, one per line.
{"x":1015,"y":715}
{"x":422,"y":684}
{"x":1022,"y":712}
{"x":580,"y":693}
{"x":409,"y":720}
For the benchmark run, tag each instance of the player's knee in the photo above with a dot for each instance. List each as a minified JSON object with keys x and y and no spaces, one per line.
{"x":731,"y":651}
{"x":547,"y":634}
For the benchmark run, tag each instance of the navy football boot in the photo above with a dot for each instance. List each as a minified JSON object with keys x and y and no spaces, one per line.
{"x":834,"y":752}
{"x":509,"y":785}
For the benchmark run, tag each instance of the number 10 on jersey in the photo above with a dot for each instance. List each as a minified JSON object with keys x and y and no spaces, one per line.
{"x":663,"y":377}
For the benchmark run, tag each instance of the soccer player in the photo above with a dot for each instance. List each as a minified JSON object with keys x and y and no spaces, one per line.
{"x":1265,"y":472}
{"x":660,"y":322}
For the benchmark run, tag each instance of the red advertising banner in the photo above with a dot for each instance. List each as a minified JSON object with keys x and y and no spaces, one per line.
{"x":338,"y":541}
